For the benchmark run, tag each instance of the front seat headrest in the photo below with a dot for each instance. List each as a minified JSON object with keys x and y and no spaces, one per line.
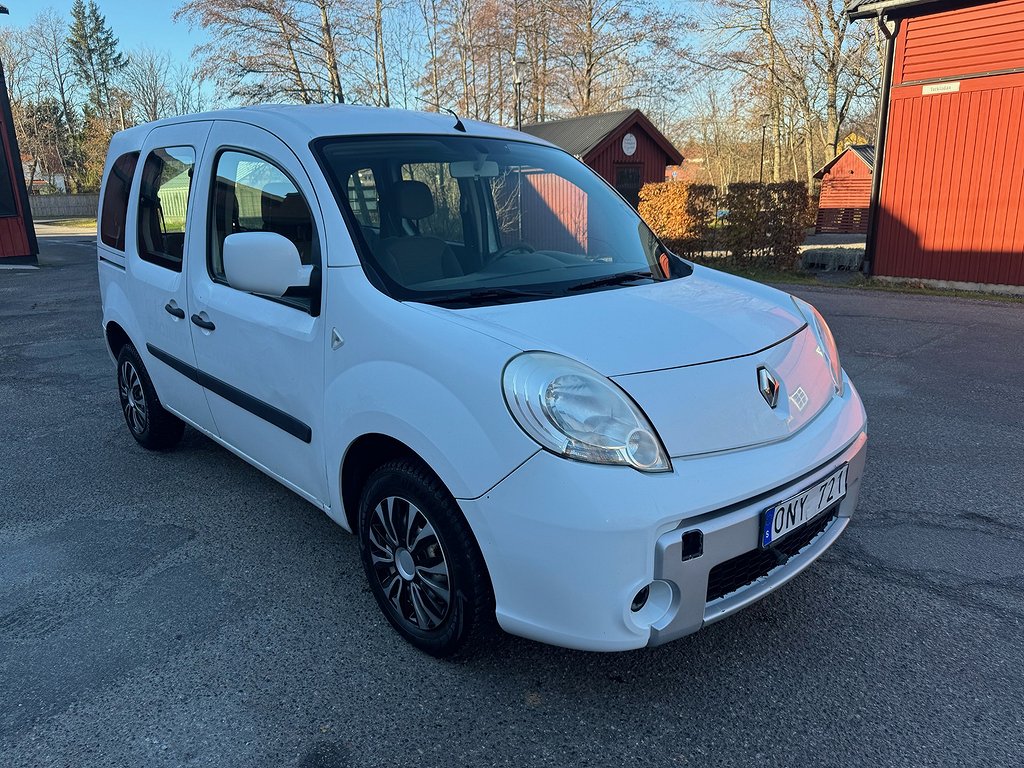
{"x":413,"y":200}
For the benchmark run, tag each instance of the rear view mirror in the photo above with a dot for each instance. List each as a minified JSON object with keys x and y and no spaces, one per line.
{"x":473,"y":169}
{"x":263,"y":262}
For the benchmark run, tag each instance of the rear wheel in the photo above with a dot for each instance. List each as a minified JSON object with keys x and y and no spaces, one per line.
{"x":150,"y":424}
{"x":422,"y":562}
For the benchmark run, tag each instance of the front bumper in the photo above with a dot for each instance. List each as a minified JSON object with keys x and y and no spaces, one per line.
{"x":568,"y":545}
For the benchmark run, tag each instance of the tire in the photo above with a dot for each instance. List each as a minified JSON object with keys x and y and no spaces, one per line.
{"x":437,"y":595}
{"x":153,"y":427}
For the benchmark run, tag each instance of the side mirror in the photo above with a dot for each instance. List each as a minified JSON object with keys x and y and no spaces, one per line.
{"x":263,"y":262}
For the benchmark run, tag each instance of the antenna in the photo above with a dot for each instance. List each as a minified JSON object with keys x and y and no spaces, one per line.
{"x":458,"y":122}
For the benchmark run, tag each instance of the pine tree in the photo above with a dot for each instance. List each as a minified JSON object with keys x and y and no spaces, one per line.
{"x":95,"y":55}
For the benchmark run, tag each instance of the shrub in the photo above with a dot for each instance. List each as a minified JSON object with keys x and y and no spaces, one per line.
{"x":664,"y":207}
{"x":749,"y":225}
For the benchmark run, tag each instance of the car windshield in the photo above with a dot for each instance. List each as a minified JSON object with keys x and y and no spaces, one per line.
{"x":464,"y":221}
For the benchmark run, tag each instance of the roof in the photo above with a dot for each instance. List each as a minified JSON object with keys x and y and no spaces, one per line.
{"x":301,"y":123}
{"x":863,"y":9}
{"x":580,"y":136}
{"x":866,"y":152}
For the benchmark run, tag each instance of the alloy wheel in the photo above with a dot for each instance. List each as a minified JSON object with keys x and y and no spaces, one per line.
{"x":409,"y":563}
{"x":133,"y":399}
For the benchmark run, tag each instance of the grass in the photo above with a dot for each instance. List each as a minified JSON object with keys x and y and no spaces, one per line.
{"x":861,"y":282}
{"x":924,"y":290}
{"x":762,"y":275}
{"x":82,"y":222}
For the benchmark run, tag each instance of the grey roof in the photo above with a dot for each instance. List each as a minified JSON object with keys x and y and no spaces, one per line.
{"x":866,"y":152}
{"x":579,"y":135}
{"x":863,"y":9}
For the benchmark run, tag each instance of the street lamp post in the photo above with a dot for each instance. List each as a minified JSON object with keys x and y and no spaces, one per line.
{"x":517,"y":87}
{"x":764,"y":130}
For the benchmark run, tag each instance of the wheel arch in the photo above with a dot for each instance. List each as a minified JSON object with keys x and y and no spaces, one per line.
{"x":116,"y":337}
{"x":365,"y":454}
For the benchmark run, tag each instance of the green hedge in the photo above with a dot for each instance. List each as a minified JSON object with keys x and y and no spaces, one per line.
{"x":748,"y":226}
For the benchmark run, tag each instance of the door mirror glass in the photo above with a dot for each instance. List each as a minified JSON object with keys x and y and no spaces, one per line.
{"x":263,"y":262}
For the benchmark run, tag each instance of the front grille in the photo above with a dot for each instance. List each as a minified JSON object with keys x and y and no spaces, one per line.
{"x":747,"y":568}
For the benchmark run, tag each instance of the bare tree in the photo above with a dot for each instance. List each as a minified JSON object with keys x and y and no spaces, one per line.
{"x":811,"y":73}
{"x":611,"y":52}
{"x":269,"y":49}
{"x":147,"y":81}
{"x":188,"y":91}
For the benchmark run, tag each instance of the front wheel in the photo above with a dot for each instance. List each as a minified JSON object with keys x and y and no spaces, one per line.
{"x":424,"y":567}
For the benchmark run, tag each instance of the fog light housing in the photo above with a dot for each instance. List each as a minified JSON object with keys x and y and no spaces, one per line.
{"x":652,"y":603}
{"x":640,"y":599}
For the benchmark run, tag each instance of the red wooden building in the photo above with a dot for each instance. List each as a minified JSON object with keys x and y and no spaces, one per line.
{"x":623,"y":147}
{"x":17,"y":235}
{"x":948,"y":188}
{"x":845,"y":195}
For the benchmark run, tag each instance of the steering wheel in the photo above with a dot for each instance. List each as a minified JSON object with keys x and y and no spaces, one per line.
{"x":520,"y":247}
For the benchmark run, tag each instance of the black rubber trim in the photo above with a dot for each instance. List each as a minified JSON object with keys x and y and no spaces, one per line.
{"x":112,"y":263}
{"x":243,"y":400}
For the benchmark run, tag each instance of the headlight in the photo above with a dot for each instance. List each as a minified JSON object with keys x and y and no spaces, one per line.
{"x":576,"y":412}
{"x":826,"y":343}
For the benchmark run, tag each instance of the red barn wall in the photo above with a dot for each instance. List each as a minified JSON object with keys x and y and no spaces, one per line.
{"x":554,"y":213}
{"x":649,"y":156}
{"x":967,"y":41}
{"x":845,"y":196}
{"x":953,"y":173}
{"x":14,"y":236}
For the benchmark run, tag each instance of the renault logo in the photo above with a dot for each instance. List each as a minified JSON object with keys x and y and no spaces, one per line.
{"x":769,"y":386}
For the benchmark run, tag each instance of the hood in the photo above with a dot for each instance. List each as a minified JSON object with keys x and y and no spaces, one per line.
{"x":707,"y":316}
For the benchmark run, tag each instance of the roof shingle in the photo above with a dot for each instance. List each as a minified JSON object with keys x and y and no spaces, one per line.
{"x":579,"y":135}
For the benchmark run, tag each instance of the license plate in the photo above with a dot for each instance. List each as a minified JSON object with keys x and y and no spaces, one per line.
{"x":786,"y":516}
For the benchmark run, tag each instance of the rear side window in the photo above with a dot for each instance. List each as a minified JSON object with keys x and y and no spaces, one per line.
{"x":115,"y":200}
{"x":163,"y":203}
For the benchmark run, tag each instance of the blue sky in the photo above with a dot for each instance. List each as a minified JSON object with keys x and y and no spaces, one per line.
{"x":135,"y":22}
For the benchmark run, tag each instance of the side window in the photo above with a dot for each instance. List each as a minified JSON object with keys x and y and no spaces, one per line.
{"x":115,"y":200}
{"x":446,"y":221}
{"x":251,"y":194}
{"x":163,"y":202}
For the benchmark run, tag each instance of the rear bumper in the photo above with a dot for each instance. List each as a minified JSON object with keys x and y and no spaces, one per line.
{"x":568,"y":545}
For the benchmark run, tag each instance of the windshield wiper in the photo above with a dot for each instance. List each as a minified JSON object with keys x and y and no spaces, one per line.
{"x":617,"y":279}
{"x":484,"y":295}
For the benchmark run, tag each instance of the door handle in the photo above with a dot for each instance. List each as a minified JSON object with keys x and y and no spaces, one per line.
{"x":206,"y":325}
{"x":178,"y":312}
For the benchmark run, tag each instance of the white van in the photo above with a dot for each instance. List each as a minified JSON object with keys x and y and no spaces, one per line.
{"x":465,"y":347}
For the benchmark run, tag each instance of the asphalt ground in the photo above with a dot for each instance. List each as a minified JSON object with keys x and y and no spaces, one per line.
{"x":184,"y":610}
